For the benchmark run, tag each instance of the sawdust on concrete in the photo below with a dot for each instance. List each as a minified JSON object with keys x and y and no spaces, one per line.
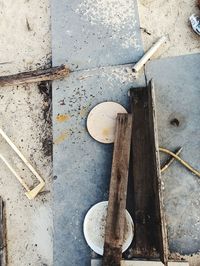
{"x":113,"y":14}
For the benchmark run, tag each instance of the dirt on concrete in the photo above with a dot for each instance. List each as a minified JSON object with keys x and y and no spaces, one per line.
{"x":25,"y":111}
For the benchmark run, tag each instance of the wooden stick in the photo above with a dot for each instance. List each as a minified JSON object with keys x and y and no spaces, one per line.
{"x":3,"y":253}
{"x":187,"y":165}
{"x":53,"y":73}
{"x":170,"y":160}
{"x":149,"y":54}
{"x":31,"y":194}
{"x":115,"y":222}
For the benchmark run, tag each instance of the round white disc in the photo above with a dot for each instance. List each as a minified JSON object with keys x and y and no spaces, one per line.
{"x":94,"y":228}
{"x":101,"y":121}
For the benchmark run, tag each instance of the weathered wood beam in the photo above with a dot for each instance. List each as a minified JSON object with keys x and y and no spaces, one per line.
{"x":98,"y":262}
{"x":150,"y":239}
{"x":114,"y":232}
{"x":35,"y":76}
{"x":3,"y":254}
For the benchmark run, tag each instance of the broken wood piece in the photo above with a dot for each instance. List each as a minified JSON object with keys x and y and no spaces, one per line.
{"x":170,"y":160}
{"x":53,"y":73}
{"x":114,"y":231}
{"x":145,"y":202}
{"x":149,"y":54}
{"x":31,"y":193}
{"x":3,"y":248}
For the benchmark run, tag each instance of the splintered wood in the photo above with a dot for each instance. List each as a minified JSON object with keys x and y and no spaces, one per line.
{"x":114,"y":231}
{"x":3,"y":256}
{"x":150,"y":237}
{"x":53,"y":73}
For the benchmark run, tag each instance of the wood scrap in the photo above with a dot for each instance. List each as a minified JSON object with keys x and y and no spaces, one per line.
{"x":184,"y":163}
{"x":98,"y":262}
{"x":35,"y":76}
{"x":170,"y":160}
{"x":3,"y":254}
{"x":30,"y":193}
{"x":149,"y":54}
{"x":114,"y":232}
{"x":150,"y":238}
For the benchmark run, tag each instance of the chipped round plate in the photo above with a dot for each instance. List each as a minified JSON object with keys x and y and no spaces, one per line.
{"x":101,"y":121}
{"x":94,"y":228}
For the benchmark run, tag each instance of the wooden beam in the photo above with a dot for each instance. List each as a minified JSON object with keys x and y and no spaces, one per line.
{"x":150,"y":239}
{"x":114,"y":232}
{"x":98,"y":262}
{"x":3,"y":254}
{"x":35,"y":76}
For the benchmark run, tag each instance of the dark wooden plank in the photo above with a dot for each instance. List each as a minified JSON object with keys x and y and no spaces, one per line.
{"x":114,"y":231}
{"x":53,"y":73}
{"x":150,"y":240}
{"x":3,"y":255}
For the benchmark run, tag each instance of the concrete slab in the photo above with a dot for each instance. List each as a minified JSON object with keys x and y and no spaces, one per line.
{"x":177,"y":93}
{"x":87,"y":35}
{"x":82,"y":166}
{"x":93,"y":33}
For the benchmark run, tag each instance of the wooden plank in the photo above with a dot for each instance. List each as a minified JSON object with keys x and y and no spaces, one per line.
{"x":98,"y":262}
{"x":114,"y":231}
{"x":53,"y":73}
{"x":3,"y":255}
{"x":150,"y":240}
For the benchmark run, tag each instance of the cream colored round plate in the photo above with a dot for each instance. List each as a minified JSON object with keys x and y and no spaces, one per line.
{"x":94,"y":228}
{"x":101,"y":121}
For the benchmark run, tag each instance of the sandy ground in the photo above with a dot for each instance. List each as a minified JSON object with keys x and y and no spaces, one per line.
{"x":25,"y":44}
{"x":171,"y":18}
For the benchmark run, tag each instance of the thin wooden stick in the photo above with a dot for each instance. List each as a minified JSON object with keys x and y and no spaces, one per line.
{"x":187,"y":165}
{"x":170,"y":161}
{"x":149,"y":54}
{"x":31,"y":194}
{"x":3,"y":248}
{"x":35,"y":76}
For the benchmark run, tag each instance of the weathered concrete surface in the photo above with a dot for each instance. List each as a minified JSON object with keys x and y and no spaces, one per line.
{"x":94,"y":33}
{"x":82,"y":166}
{"x":177,"y":82}
{"x":91,"y":37}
